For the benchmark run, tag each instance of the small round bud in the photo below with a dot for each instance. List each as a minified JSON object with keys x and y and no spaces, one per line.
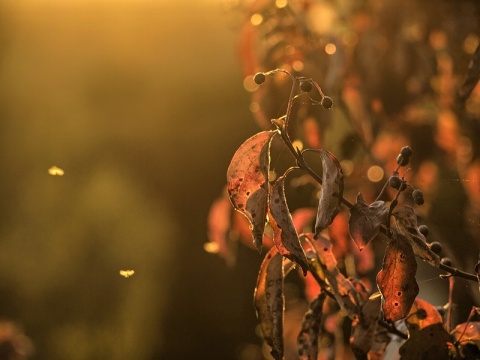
{"x":446,"y":261}
{"x":306,"y":86}
{"x":406,"y":151}
{"x":402,"y":160}
{"x":327,"y":102}
{"x":423,"y":230}
{"x":418,"y":197}
{"x":395,"y":182}
{"x":436,"y":247}
{"x":259,"y":78}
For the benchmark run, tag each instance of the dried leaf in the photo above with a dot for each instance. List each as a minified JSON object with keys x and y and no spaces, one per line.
{"x":430,"y":343}
{"x":285,"y":236}
{"x":381,"y":340}
{"x":467,"y":333}
{"x":247,"y":181}
{"x":396,"y":280}
{"x":422,"y":314}
{"x":472,"y":77}
{"x":364,"y":326}
{"x":332,"y":191}
{"x":307,"y":341}
{"x":365,"y":220}
{"x":343,"y":290}
{"x":406,"y":221}
{"x":269,"y":301}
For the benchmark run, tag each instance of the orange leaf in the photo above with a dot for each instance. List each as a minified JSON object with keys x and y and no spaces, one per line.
{"x":422,"y":314}
{"x":342,"y":288}
{"x":247,"y":181}
{"x":467,"y":333}
{"x":219,"y":226}
{"x":396,"y":280}
{"x":285,"y":236}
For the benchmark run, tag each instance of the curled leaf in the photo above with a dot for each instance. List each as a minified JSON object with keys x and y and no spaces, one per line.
{"x":364,"y":326}
{"x":396,"y":280}
{"x":285,"y":236}
{"x":365,"y":220}
{"x":406,"y":221}
{"x":332,"y":191}
{"x":269,"y":301}
{"x":307,"y":340}
{"x":247,"y":181}
{"x":430,"y":343}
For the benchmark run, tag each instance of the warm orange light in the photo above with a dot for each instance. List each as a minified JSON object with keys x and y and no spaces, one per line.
{"x":330,"y":49}
{"x":256,"y":19}
{"x":375,"y":173}
{"x":281,"y":3}
{"x":56,"y":171}
{"x":211,"y":247}
{"x":127,"y":273}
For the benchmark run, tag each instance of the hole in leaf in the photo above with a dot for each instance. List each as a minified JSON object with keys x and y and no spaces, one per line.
{"x":395,"y":303}
{"x":247,"y":193}
{"x":325,"y":249}
{"x":399,"y":293}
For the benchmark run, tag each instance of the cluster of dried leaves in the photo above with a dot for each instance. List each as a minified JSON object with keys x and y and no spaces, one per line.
{"x":374,"y":316}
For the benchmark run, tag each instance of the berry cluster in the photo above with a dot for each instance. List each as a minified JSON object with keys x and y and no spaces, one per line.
{"x":400,"y":184}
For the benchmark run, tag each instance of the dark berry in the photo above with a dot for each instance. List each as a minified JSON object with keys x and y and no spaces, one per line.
{"x":418,"y":197}
{"x":406,"y":151}
{"x":395,"y":182}
{"x":402,"y":160}
{"x":436,"y":247}
{"x":306,"y":86}
{"x":259,"y":78}
{"x":327,"y":102}
{"x":446,"y":261}
{"x":423,"y":230}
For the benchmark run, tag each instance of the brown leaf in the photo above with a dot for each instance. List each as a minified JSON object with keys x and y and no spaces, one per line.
{"x":269,"y":301}
{"x":396,"y":280}
{"x":406,"y":221}
{"x":247,"y":181}
{"x":307,"y":341}
{"x":332,"y":191}
{"x":422,"y":314}
{"x":467,"y":333}
{"x":343,"y":290}
{"x":364,"y":326}
{"x":365,"y":220}
{"x":430,"y":343}
{"x":285,"y":236}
